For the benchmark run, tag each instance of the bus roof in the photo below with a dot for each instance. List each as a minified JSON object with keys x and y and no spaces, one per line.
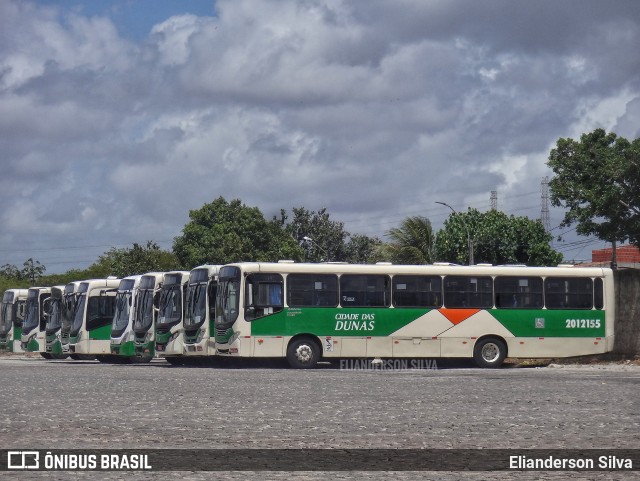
{"x":486,"y":270}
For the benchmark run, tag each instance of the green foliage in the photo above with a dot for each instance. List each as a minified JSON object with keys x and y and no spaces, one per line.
{"x":321,"y":238}
{"x":31,"y":271}
{"x":325,"y":240}
{"x":362,"y":249}
{"x":222,"y":232}
{"x":598,"y":181}
{"x":497,"y":239}
{"x":10,"y":271}
{"x":134,"y":261}
{"x":411,"y":243}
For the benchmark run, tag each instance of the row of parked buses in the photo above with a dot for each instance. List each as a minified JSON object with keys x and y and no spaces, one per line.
{"x":114,"y":320}
{"x":312,"y":312}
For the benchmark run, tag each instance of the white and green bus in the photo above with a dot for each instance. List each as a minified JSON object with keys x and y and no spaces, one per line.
{"x":90,"y":332}
{"x":35,"y":320}
{"x":169,"y":327}
{"x":200,"y":311}
{"x":309,"y":312}
{"x":55,"y":314}
{"x":122,"y":335}
{"x":70,"y":302}
{"x":12,"y":318}
{"x":146,"y":314}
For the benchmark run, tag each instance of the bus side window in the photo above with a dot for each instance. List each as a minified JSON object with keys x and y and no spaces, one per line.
{"x":361,"y":290}
{"x":312,"y":290}
{"x":263,"y":295}
{"x":417,"y":291}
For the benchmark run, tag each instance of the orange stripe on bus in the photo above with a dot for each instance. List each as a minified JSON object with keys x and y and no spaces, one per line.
{"x":456,"y":316}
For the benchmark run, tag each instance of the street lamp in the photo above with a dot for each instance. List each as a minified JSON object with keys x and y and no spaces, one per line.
{"x":466,"y":227}
{"x":309,"y":239}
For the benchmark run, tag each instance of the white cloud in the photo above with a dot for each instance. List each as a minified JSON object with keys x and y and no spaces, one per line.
{"x":373,"y":109}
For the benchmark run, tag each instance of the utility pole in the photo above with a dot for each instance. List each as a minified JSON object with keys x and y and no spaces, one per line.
{"x":544,"y":203}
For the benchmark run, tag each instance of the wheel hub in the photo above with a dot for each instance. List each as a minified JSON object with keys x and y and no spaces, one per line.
{"x":490,"y":352}
{"x":304,"y":353}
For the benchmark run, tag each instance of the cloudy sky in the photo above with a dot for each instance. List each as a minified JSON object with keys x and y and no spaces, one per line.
{"x":119,"y":116}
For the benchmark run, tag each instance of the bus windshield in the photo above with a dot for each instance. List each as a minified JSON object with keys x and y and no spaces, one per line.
{"x":68,"y":311}
{"x":196,"y":306}
{"x":55,"y":316}
{"x":78,"y":317}
{"x":121,"y":316}
{"x":31,"y":318}
{"x":144,"y":314}
{"x":228,"y":297}
{"x":6,"y":318}
{"x":170,"y":306}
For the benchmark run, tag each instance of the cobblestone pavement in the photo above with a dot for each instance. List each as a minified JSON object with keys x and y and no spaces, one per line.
{"x":85,"y":404}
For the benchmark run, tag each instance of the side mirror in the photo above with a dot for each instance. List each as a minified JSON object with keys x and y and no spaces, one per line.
{"x":46,"y":308}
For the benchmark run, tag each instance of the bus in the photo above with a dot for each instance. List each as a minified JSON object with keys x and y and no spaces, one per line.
{"x":122,"y":336}
{"x":200,"y":311}
{"x":90,"y":332}
{"x":35,"y":320}
{"x":169,"y":327}
{"x":309,"y":312}
{"x":11,"y":319}
{"x":53,"y":326}
{"x":70,"y":299}
{"x":146,"y":314}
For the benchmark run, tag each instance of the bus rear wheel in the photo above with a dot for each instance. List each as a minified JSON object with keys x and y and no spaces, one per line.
{"x":303,"y":353}
{"x":489,"y":352}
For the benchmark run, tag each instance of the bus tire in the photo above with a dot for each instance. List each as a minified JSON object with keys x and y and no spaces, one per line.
{"x":82,"y":357}
{"x":46,"y":355}
{"x":175,"y":360}
{"x":303,"y":353}
{"x":108,"y":358}
{"x":489,"y":352}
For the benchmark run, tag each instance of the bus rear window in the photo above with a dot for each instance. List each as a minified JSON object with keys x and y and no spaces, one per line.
{"x":598,"y":294}
{"x":568,"y":293}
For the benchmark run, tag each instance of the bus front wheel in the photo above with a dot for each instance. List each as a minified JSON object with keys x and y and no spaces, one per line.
{"x":489,"y":352}
{"x":303,"y":353}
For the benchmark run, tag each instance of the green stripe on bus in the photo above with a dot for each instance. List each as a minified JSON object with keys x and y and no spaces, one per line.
{"x":322,"y":321}
{"x":552,"y":323}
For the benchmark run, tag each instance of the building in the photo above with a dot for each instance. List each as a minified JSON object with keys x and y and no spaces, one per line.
{"x":627,"y":256}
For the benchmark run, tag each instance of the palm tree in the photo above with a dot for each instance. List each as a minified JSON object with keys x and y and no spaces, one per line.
{"x":411,"y":243}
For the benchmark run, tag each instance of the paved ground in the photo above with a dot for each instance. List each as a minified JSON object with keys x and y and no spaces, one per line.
{"x":72,"y":404}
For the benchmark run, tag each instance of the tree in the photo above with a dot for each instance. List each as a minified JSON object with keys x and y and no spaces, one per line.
{"x":598,"y":181}
{"x":411,"y":243}
{"x":362,"y":249}
{"x":326,"y":240}
{"x":222,"y":232}
{"x":497,"y":239}
{"x":32,"y":270}
{"x":10,"y":271}
{"x":135,"y":260}
{"x":322,"y":238}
